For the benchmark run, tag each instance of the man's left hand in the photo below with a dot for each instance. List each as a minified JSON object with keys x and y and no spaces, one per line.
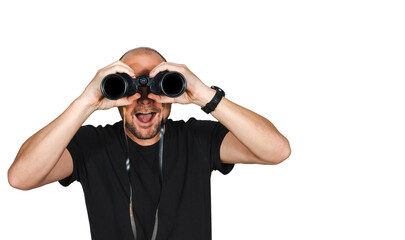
{"x":196,"y":92}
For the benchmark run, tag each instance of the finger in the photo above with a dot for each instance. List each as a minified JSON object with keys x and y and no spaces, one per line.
{"x":120,"y":63}
{"x":134,"y":97}
{"x":153,"y":72}
{"x":166,"y":66}
{"x":120,"y":69}
{"x":118,"y":66}
{"x":127,"y":100}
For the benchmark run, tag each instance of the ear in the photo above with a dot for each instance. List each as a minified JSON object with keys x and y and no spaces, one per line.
{"x":168,"y":109}
{"x":120,"y":111}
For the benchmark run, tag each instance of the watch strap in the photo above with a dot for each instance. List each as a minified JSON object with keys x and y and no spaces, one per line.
{"x":214,"y":101}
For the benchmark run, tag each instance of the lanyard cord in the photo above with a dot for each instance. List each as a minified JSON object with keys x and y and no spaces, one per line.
{"x":128,"y":167}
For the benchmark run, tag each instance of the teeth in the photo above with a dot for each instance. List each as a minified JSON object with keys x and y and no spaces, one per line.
{"x":145,"y":113}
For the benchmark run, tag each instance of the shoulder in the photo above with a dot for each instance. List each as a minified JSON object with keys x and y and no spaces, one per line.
{"x":99,"y":131}
{"x":194,"y":126}
{"x":190,"y":123}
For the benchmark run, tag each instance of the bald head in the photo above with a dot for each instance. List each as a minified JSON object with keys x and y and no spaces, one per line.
{"x":142,"y":51}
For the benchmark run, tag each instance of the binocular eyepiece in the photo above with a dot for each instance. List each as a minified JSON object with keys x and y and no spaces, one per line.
{"x":117,"y":85}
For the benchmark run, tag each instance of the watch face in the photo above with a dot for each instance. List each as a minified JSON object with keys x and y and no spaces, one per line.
{"x":218,"y":89}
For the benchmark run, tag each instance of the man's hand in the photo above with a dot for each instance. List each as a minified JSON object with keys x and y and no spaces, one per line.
{"x":92,"y":94}
{"x":197,"y":92}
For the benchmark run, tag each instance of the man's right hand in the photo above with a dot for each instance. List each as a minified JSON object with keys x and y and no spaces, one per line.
{"x":92,"y":94}
{"x":43,"y":158}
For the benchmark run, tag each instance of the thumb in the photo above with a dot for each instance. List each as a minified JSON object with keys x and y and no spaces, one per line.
{"x":127,"y":100}
{"x":160,"y":98}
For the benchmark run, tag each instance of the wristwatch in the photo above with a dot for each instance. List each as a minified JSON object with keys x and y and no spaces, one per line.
{"x":214,"y":101}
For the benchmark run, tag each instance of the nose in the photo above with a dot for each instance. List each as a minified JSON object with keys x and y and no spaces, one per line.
{"x":144,"y":91}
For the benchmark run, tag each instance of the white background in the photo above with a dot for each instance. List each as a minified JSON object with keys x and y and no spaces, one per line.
{"x":328,"y":74}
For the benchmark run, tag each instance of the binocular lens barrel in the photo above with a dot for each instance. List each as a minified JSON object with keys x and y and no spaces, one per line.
{"x":117,"y":85}
{"x":114,"y":86}
{"x":173,"y":84}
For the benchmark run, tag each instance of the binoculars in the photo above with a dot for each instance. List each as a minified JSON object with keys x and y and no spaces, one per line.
{"x":117,"y":85}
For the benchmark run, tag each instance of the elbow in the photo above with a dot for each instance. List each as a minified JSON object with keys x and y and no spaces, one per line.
{"x":280,"y":155}
{"x":284,"y":155}
{"x":15,"y":180}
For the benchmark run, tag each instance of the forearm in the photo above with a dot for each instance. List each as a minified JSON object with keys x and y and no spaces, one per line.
{"x":255,"y":132}
{"x":40,"y":153}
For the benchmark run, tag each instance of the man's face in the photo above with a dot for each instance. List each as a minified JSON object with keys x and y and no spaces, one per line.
{"x":143,"y":117}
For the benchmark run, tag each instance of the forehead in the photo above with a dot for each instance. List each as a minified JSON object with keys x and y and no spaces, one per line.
{"x":142,"y":63}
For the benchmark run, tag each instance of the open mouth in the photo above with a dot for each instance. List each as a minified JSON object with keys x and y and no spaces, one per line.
{"x":145,"y":117}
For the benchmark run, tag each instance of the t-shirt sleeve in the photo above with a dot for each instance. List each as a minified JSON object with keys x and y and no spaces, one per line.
{"x":76,"y":149}
{"x":210,"y":135}
{"x":218,"y":134}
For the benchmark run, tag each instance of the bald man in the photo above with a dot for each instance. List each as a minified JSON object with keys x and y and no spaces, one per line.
{"x":146,"y":200}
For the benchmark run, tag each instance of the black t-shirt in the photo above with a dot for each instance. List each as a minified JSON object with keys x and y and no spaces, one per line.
{"x":190,"y":154}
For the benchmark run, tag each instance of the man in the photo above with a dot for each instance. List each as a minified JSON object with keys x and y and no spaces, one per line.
{"x":96,"y":157}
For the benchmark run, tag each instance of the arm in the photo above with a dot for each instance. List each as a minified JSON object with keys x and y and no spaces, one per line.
{"x":43,"y":158}
{"x":251,"y":138}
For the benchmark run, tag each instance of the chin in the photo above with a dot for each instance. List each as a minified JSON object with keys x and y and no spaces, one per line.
{"x":144,"y":133}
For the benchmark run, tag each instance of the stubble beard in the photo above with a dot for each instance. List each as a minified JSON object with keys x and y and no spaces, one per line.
{"x":144,"y":135}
